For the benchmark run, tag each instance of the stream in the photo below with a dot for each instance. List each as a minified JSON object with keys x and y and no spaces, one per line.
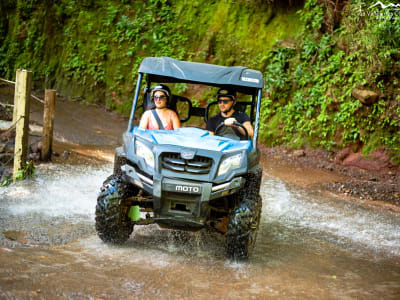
{"x":311,"y":245}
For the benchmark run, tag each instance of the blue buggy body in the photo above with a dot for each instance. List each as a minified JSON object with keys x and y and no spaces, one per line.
{"x":186,"y":178}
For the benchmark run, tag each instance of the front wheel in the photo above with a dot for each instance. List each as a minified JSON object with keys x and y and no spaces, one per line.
{"x":112,"y":222}
{"x":243,"y":226}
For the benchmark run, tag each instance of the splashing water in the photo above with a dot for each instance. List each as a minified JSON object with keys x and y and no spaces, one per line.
{"x":57,"y":190}
{"x":331,"y":218}
{"x":70,"y":192}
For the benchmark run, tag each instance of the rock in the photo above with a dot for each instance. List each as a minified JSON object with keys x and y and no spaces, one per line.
{"x":365,"y":96}
{"x":36,"y":147}
{"x":2,"y":147}
{"x":299,"y":153}
{"x":341,"y":155}
{"x":34,"y":156}
{"x":65,"y":155}
{"x":376,"y":161}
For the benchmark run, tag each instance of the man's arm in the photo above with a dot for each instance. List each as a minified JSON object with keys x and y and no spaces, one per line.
{"x":249,"y":128}
{"x":210,"y":125}
{"x":247,"y":125}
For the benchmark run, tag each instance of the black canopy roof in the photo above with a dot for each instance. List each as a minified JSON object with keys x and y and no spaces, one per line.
{"x":166,"y":69}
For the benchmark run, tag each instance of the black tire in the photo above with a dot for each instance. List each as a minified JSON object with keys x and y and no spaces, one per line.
{"x":244,"y":220}
{"x":253,"y":182}
{"x":112,"y":222}
{"x":242,"y":228}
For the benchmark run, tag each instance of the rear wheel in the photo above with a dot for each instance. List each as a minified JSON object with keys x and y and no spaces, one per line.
{"x":112,"y":222}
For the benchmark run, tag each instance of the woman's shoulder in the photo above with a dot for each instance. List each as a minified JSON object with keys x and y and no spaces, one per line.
{"x":172,"y":112}
{"x":147,"y":112}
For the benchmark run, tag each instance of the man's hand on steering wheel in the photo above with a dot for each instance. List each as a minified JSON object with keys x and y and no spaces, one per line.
{"x":231,"y":122}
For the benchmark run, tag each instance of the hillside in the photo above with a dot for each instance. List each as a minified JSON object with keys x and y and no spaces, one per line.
{"x":331,"y":67}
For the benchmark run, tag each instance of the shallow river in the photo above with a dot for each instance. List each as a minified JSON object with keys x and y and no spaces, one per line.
{"x":310,"y":245}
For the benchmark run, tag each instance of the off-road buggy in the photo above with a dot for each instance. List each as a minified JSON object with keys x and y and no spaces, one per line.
{"x":187,"y":178}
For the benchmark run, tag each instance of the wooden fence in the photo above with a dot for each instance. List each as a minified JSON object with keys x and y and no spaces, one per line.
{"x":22,"y":96}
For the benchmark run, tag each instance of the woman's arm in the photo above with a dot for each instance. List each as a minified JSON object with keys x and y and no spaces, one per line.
{"x":144,"y":121}
{"x":176,"y":122}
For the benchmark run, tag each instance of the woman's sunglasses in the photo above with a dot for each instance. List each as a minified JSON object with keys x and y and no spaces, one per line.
{"x":161,"y":98}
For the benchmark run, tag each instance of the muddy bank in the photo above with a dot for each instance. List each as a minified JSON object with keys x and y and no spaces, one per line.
{"x":374,"y":179}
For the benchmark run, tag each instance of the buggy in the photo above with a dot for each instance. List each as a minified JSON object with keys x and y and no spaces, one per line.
{"x":186,"y":179}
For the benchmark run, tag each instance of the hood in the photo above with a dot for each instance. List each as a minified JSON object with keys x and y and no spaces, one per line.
{"x":192,"y":137}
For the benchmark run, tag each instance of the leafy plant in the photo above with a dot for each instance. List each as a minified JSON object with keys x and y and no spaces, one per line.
{"x":26,"y":172}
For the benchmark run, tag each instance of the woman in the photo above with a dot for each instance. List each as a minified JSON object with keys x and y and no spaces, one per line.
{"x":160,"y":95}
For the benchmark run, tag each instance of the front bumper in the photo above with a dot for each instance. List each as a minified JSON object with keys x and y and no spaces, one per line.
{"x":176,"y":200}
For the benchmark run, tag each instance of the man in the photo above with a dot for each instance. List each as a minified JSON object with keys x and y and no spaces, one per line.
{"x":226,"y":102}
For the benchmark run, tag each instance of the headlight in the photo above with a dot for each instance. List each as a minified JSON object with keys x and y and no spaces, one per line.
{"x":145,"y":152}
{"x":230,"y":163}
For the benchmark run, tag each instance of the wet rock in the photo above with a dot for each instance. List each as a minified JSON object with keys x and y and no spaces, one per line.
{"x":65,"y":155}
{"x":36,"y":147}
{"x":34,"y":156}
{"x":365,"y":96}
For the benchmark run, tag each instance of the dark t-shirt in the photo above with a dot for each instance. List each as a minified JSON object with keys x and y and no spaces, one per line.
{"x":214,"y":121}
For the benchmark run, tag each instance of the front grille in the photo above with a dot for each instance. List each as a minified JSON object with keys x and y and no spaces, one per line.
{"x":197,"y":165}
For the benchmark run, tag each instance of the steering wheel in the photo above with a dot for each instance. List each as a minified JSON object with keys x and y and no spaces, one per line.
{"x":222,"y":125}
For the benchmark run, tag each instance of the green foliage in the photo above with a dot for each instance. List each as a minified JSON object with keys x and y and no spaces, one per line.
{"x":6,"y":181}
{"x":26,"y":172}
{"x":91,"y":50}
{"x":310,"y":87}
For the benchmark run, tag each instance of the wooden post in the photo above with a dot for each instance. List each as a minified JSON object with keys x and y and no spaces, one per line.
{"x":21,"y":110}
{"x":17,"y":94}
{"x":48,"y":122}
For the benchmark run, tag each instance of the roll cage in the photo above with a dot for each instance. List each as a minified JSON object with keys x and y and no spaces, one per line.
{"x":169,"y":70}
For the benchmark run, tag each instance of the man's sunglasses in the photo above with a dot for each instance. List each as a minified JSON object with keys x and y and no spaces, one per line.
{"x":159,"y":97}
{"x":224,"y":101}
